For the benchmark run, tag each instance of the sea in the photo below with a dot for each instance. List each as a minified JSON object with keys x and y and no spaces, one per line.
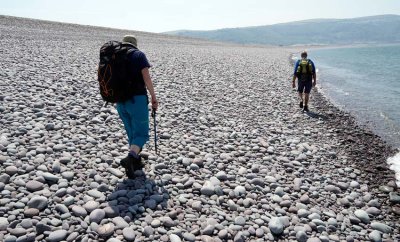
{"x":364,"y":81}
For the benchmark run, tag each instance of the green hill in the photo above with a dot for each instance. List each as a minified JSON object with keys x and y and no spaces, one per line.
{"x":374,"y":29}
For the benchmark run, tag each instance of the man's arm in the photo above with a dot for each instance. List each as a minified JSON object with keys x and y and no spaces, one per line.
{"x":294,"y":81}
{"x":150,"y":87}
{"x":314,"y":74}
{"x":294,"y":74}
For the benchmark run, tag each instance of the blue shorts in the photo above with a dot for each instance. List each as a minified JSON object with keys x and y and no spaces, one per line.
{"x":304,"y":86}
{"x":134,"y":114}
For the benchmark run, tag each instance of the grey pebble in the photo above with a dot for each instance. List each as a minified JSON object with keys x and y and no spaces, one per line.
{"x":207,"y":189}
{"x":61,"y":208}
{"x":129,"y":234}
{"x":113,"y":240}
{"x":79,"y":211}
{"x":148,"y":231}
{"x":189,"y":237}
{"x":301,"y":236}
{"x":375,"y":236}
{"x":106,"y":230}
{"x":3,"y":223}
{"x":10,"y":238}
{"x":38,"y":202}
{"x":362,"y":215}
{"x":174,"y":238}
{"x":34,"y":186}
{"x":239,"y":220}
{"x":276,"y":226}
{"x":120,"y":223}
{"x":50,"y":177}
{"x":96,"y":216}
{"x":57,"y":235}
{"x":381,"y":227}
{"x":91,"y":205}
{"x":208,"y":230}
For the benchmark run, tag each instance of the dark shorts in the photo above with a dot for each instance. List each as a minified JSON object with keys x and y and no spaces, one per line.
{"x":304,"y":86}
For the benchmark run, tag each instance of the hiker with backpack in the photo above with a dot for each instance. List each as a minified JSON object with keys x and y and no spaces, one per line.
{"x":304,"y":71}
{"x":124,"y":79}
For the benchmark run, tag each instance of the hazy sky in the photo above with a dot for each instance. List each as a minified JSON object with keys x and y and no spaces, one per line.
{"x":166,"y":15}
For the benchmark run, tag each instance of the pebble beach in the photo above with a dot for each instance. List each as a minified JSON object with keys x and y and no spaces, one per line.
{"x":238,"y":160}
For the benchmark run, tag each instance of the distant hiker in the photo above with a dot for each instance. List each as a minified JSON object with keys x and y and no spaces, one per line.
{"x":124,"y":77}
{"x":304,"y":71}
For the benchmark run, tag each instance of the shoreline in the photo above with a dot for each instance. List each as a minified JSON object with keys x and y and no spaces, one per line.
{"x":356,"y":137}
{"x":368,"y":150}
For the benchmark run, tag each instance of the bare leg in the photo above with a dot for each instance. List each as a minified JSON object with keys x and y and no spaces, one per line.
{"x":306,"y":97}
{"x":301,"y":96}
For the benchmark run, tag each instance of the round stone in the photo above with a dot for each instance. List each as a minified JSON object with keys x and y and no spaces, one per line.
{"x":155,"y":223}
{"x":3,"y":223}
{"x":239,"y":220}
{"x":26,"y":223}
{"x":116,"y":172}
{"x":375,"y":236}
{"x":31,"y":212}
{"x":259,"y":232}
{"x":189,"y":237}
{"x":106,"y":230}
{"x":239,"y":191}
{"x":148,"y":231}
{"x":11,"y":170}
{"x":69,"y":175}
{"x":120,"y":222}
{"x":129,"y":234}
{"x":207,"y":189}
{"x":79,"y":211}
{"x":57,"y":235}
{"x":38,"y":202}
{"x":50,"y":177}
{"x":174,"y":238}
{"x":91,"y":205}
{"x":197,"y":206}
{"x":61,"y":208}
{"x":34,"y":186}
{"x":362,"y":215}
{"x":301,"y":236}
{"x":221,"y":175}
{"x":275,"y":225}
{"x":381,"y":227}
{"x":208,"y":230}
{"x":257,"y":182}
{"x":150,"y":203}
{"x":96,"y":216}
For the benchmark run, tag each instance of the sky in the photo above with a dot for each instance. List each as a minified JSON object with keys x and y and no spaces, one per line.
{"x":167,"y":15}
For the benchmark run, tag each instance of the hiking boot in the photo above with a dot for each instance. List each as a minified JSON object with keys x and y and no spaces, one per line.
{"x":138,"y":164}
{"x":127,"y":163}
{"x":306,"y":109}
{"x":301,"y":104}
{"x":131,"y":164}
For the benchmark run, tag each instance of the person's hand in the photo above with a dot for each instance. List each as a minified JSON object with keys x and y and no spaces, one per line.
{"x":314,"y":83}
{"x":293,"y":84}
{"x":154,"y":103}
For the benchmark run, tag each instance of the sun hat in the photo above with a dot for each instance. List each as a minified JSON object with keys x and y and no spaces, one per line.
{"x":130,"y":39}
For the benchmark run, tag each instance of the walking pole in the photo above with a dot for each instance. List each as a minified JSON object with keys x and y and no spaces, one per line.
{"x":153,"y":114}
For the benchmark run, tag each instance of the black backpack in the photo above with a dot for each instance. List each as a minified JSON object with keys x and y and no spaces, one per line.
{"x":114,"y":75}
